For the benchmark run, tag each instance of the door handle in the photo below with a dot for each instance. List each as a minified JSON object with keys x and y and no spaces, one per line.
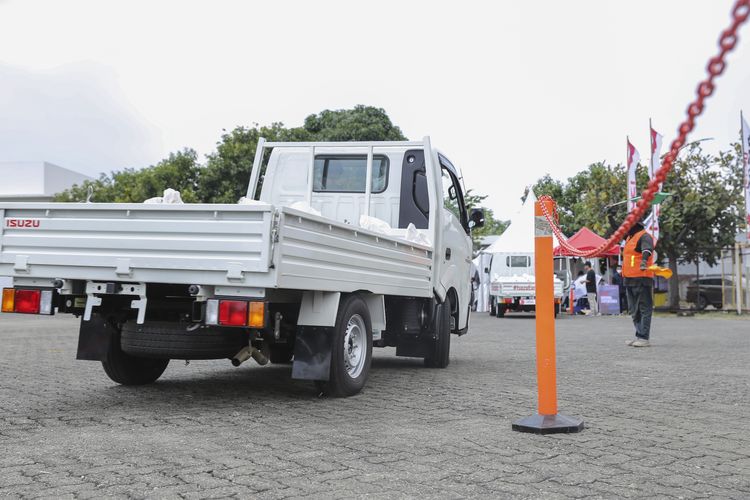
{"x":447,"y":254}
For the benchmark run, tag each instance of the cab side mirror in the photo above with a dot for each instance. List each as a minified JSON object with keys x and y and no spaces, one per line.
{"x":476,"y":219}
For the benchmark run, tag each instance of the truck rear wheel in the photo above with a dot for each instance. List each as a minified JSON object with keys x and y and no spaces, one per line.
{"x":351,"y":353}
{"x":440,"y":355}
{"x":131,"y":370}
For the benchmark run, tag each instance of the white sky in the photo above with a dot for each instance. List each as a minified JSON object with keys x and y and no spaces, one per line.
{"x":508,"y":90}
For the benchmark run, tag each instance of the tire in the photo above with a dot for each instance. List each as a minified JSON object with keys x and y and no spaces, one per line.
{"x":441,"y":346}
{"x":718,"y":306}
{"x":492,"y":309}
{"x":131,"y":370}
{"x":500,"y":311}
{"x":701,"y":303}
{"x":281,"y":354}
{"x":161,"y":339}
{"x":351,"y":352}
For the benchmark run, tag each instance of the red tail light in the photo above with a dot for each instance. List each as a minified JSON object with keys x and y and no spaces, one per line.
{"x":232,"y":313}
{"x":27,"y":301}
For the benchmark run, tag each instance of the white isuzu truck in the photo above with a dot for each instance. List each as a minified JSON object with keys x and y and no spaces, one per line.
{"x":318,"y":287}
{"x":513,"y":284}
{"x":511,"y":270}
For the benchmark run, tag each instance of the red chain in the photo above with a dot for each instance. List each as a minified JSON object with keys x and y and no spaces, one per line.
{"x":716,"y":66}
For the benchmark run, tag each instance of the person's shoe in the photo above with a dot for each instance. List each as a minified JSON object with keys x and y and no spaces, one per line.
{"x":641,"y":343}
{"x":631,"y":342}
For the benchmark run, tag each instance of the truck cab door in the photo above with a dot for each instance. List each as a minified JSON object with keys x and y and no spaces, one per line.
{"x":456,"y":252}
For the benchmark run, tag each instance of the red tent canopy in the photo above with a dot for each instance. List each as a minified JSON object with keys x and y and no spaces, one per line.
{"x":586,"y":239}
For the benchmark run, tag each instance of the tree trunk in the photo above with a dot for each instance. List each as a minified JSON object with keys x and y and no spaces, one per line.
{"x":674,"y":284}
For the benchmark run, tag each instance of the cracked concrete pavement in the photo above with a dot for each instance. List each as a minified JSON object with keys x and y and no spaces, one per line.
{"x":668,"y":421}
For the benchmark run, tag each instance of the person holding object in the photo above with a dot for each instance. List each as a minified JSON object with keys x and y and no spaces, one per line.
{"x":591,"y":289}
{"x":638,"y":256}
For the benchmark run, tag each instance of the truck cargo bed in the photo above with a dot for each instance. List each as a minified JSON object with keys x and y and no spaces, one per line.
{"x":206,"y":244}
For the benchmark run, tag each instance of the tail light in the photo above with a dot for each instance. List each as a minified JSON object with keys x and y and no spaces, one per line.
{"x":236,"y":313}
{"x":9,"y":299}
{"x":232,"y":313}
{"x":27,"y":301}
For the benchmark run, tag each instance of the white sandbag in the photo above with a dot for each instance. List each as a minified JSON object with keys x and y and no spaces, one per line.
{"x":172,"y":197}
{"x":374,"y":224}
{"x":413,"y":234}
{"x":304,"y":207}
{"x":168,"y":196}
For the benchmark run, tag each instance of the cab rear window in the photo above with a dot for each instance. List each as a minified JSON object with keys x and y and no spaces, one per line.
{"x":518,"y":261}
{"x":348,"y":174}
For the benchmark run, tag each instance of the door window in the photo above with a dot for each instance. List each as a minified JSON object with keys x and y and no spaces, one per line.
{"x":453,"y":198}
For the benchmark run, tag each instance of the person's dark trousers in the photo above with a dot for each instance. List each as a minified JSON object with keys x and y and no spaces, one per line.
{"x":623,"y":300}
{"x":641,"y":303}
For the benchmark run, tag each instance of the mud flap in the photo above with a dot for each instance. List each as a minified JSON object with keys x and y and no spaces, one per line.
{"x":94,"y":338}
{"x":312,"y":353}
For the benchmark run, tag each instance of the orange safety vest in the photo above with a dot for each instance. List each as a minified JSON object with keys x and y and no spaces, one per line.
{"x":631,"y":266}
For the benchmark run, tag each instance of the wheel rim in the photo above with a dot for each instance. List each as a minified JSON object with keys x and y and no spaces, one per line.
{"x":355,"y":346}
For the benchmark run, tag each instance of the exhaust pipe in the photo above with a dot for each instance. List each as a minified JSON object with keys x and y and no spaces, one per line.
{"x":259,"y":357}
{"x":247,"y":353}
{"x":241,"y":356}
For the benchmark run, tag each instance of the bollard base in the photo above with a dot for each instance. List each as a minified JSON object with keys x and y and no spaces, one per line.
{"x":548,"y":424}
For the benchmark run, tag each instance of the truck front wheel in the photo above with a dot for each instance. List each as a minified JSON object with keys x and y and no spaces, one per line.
{"x":131,"y":370}
{"x":351,"y":353}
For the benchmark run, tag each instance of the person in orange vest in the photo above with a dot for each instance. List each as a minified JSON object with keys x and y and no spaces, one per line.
{"x":638,"y":255}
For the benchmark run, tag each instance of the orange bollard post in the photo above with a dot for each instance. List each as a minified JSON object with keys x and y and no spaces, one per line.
{"x":547,"y":421}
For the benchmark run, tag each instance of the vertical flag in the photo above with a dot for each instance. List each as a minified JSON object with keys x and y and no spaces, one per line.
{"x":745,"y":133}
{"x":632,"y":165}
{"x":656,"y":139}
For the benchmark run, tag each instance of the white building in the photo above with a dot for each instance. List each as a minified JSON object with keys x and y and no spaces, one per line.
{"x":35,"y":180}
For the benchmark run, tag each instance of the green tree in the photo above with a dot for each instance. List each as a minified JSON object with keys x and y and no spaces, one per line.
{"x":179,"y":171}
{"x":362,"y":123}
{"x":703,"y":214}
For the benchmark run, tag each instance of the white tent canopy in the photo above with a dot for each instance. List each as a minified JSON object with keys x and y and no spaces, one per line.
{"x":519,"y":235}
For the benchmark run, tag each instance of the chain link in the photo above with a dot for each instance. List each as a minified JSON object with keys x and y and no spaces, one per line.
{"x":715,"y":67}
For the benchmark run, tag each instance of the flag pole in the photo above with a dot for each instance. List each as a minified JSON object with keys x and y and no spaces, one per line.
{"x":651,"y":172}
{"x":627,"y":171}
{"x":651,"y":149}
